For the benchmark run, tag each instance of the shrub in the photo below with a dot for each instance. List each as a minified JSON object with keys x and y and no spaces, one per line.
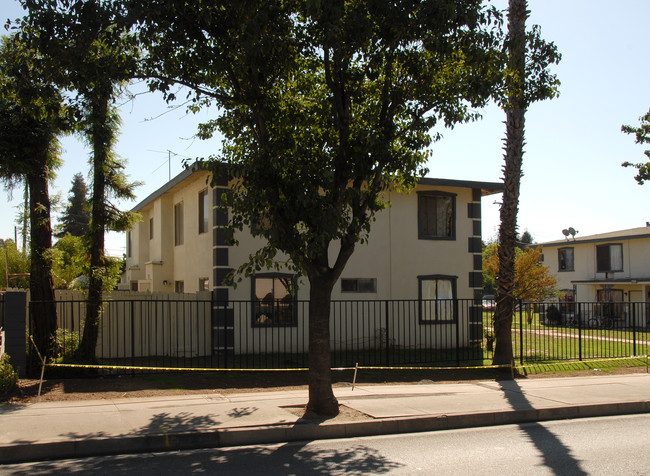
{"x":553,"y":315}
{"x":8,"y":377}
{"x":66,"y":344}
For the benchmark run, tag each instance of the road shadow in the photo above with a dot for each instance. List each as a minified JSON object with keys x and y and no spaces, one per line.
{"x":178,"y":423}
{"x":557,"y":456}
{"x":288,"y":458}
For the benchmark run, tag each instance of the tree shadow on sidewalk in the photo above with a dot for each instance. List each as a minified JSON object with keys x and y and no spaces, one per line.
{"x":557,"y":456}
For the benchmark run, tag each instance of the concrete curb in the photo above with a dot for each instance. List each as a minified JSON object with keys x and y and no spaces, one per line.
{"x":21,"y":452}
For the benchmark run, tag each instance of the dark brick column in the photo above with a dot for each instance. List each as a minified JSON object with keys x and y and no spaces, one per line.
{"x":16,"y":330}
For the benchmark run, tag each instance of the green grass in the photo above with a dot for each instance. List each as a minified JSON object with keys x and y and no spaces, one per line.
{"x":546,"y":343}
{"x":605,"y":366}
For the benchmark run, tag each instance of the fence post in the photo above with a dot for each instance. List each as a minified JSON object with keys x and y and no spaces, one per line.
{"x":132,"y":332}
{"x":387,"y":306}
{"x":16,"y":330}
{"x":457,"y":318}
{"x":579,"y":333}
{"x":225,"y":334}
{"x":632,"y":313}
{"x":521,"y":333}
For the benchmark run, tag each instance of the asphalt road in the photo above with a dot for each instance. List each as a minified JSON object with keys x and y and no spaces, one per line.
{"x":598,"y":446}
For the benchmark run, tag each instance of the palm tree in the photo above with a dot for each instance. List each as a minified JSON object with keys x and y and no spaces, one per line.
{"x":522,"y":87}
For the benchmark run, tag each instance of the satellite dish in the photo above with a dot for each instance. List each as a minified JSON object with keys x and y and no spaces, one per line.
{"x":572,"y":231}
{"x":565,"y":232}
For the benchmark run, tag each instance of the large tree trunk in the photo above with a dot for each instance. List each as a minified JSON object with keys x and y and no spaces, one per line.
{"x":43,"y":307}
{"x":321,"y":396}
{"x":101,"y":135}
{"x":515,"y":114}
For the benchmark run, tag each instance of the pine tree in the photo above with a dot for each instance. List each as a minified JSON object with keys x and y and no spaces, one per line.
{"x":76,"y":217}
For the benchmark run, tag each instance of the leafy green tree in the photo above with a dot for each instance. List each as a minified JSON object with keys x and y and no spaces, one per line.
{"x":14,"y":262}
{"x":527,"y":80}
{"x":533,"y":280}
{"x":642,"y":136}
{"x":324,"y":105}
{"x":32,"y":116}
{"x":70,"y":260}
{"x":76,"y":217}
{"x":96,"y":54}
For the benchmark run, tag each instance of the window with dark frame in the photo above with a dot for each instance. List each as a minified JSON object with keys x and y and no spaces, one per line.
{"x":436,"y":216}
{"x":609,"y":258}
{"x":179,"y":287}
{"x":437,"y":295}
{"x":565,"y":259}
{"x":178,"y":224}
{"x":204,"y":284}
{"x":359,"y":285}
{"x":204,"y":215}
{"x":273,"y":303}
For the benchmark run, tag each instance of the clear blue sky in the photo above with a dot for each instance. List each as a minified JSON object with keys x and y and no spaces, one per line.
{"x":574,"y":144}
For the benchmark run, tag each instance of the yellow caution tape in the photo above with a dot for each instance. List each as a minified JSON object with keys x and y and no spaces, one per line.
{"x":303,"y":369}
{"x":300,"y":369}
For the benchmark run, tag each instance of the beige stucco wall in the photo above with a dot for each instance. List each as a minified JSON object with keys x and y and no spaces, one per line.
{"x":158,"y":259}
{"x":393,"y":255}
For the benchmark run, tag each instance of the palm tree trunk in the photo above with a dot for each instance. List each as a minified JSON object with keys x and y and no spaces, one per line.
{"x":515,"y":115}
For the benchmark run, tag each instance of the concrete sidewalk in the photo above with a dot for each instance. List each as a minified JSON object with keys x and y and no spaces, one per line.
{"x":55,"y":430}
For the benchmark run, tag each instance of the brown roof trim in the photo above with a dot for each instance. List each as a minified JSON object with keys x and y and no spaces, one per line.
{"x":487,"y":188}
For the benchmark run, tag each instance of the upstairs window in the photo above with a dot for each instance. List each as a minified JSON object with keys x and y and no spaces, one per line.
{"x":178,"y":224}
{"x":273,"y":303}
{"x":151,"y":228}
{"x":203,"y":211}
{"x":609,"y":258}
{"x":565,"y":259}
{"x":436,"y":216}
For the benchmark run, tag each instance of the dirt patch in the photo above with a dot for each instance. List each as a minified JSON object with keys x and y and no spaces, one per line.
{"x":163,"y":384}
{"x":345,"y":414}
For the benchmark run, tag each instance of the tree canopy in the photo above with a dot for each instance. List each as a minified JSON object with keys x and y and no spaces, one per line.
{"x":641,"y":136}
{"x":533,"y":281}
{"x":32,"y":116}
{"x":323,"y":106}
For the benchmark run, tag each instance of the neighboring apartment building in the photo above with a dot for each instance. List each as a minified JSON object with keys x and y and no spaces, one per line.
{"x":427,"y":245}
{"x":606,"y":268}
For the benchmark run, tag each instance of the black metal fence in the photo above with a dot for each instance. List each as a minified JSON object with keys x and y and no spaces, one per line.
{"x":202,"y":333}
{"x":581,"y":330}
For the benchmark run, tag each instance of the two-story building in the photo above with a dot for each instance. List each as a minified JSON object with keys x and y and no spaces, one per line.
{"x":604,"y":268}
{"x":425,"y":247}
